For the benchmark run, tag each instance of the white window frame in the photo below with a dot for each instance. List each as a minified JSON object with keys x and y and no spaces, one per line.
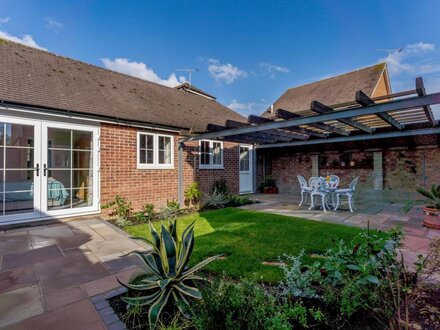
{"x":211,"y":155}
{"x":155,"y":165}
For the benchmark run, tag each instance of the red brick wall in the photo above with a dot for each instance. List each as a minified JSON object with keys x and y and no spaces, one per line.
{"x":404,"y":169}
{"x":119,"y":173}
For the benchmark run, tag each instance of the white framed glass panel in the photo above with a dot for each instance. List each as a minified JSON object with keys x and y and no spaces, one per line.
{"x":216,"y":153}
{"x":165,"y":149}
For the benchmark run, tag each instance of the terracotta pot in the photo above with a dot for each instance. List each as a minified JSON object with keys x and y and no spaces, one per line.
{"x":431,"y":218}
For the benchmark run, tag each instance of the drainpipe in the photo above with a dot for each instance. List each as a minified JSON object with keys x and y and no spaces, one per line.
{"x":180,"y":173}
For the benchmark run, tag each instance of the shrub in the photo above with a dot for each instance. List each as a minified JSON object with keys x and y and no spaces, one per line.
{"x":432,"y":198}
{"x":166,"y":272}
{"x":171,"y":210}
{"x":236,"y":200}
{"x":216,"y":200}
{"x":193,"y":194}
{"x":121,"y":208}
{"x":146,"y":214}
{"x":297,"y":283}
{"x":221,"y":186}
{"x":227,"y":305}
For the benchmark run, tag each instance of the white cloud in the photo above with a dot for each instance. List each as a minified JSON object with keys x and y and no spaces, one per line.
{"x":225,"y":72}
{"x":272,"y":69}
{"x":407,"y":60}
{"x":26,"y":39}
{"x":54,"y":25}
{"x":249,"y":108}
{"x":4,"y":20}
{"x":140,"y":70}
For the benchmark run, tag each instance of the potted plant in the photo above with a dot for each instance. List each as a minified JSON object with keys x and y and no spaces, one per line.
{"x":432,"y":209}
{"x":268,"y":186}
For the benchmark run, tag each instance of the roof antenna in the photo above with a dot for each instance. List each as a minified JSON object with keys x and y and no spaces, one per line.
{"x":190,"y":71}
{"x":390,"y":51}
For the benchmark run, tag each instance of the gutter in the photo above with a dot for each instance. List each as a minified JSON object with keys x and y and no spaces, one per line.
{"x":14,"y":106}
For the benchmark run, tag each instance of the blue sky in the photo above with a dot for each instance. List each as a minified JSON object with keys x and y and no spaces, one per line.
{"x":247,"y":52}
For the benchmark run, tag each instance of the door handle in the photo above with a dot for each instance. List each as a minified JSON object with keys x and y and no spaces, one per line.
{"x":37,"y":169}
{"x":44,"y":170}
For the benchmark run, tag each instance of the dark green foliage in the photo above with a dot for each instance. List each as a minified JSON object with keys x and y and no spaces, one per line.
{"x":221,"y":186}
{"x":121,"y":208}
{"x":432,"y":198}
{"x":147,"y":213}
{"x":246,"y":305}
{"x":268,"y":182}
{"x":236,"y":200}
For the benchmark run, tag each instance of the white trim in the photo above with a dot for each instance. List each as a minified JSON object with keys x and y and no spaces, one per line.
{"x":211,"y":166}
{"x":77,"y":117}
{"x":155,"y":165}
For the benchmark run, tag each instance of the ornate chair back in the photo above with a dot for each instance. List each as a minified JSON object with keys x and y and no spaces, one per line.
{"x":302,"y":182}
{"x":315,"y":183}
{"x":333,"y":182}
{"x":354,"y":183}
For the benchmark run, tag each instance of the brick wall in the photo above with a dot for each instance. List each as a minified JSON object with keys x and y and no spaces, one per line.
{"x":119,"y":173}
{"x":403,"y":168}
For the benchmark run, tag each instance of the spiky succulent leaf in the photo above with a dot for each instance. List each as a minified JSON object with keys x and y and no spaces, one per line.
{"x":168,"y":252}
{"x":164,"y":283}
{"x":144,"y":300}
{"x":188,"y":290}
{"x":145,"y":285}
{"x":150,"y":264}
{"x":186,"y":251}
{"x":156,"y":308}
{"x":181,"y":302}
{"x":143,"y":239}
{"x":199,"y":266}
{"x":154,"y":235}
{"x":425,"y":193}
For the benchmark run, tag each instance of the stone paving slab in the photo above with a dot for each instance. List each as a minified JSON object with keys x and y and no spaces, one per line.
{"x":20,"y":304}
{"x":49,"y":272}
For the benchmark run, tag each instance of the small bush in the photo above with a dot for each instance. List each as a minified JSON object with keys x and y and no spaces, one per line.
{"x":216,"y":200}
{"x":121,"y":208}
{"x":171,"y":210}
{"x":193,"y":194}
{"x":221,"y":186}
{"x":236,"y":200}
{"x":147,"y":213}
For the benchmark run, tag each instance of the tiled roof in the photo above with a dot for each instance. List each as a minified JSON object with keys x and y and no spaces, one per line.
{"x":330,"y":91}
{"x":35,"y":77}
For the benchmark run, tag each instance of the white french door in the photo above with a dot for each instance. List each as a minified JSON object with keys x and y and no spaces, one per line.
{"x":246,"y":170}
{"x":46,"y":169}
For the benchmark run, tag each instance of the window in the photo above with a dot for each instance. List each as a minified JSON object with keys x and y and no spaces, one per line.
{"x":211,"y":154}
{"x":155,"y":151}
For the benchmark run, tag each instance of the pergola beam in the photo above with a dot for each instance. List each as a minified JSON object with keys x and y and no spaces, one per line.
{"x":320,"y":108}
{"x":365,"y":101}
{"x":252,"y":119}
{"x":420,"y":88}
{"x":363,"y":137}
{"x":403,"y":104}
{"x":287,"y":115}
{"x":274,"y":133}
{"x":249,"y":138}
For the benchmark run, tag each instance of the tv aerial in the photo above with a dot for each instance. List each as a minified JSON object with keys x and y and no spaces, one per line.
{"x":189,"y":71}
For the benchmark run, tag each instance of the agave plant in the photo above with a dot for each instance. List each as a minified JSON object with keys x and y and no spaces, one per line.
{"x":432,"y":198}
{"x":168,"y":273}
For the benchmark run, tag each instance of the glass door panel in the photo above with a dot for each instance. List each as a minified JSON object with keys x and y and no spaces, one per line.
{"x":70,"y":166}
{"x":18,"y":170}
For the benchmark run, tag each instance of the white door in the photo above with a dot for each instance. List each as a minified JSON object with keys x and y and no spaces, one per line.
{"x":20,"y":169}
{"x":46,"y":169}
{"x":70,"y":169}
{"x":246,"y":171}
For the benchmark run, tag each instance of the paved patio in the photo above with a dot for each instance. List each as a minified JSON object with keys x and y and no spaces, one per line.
{"x":382,"y":215}
{"x":49,"y":274}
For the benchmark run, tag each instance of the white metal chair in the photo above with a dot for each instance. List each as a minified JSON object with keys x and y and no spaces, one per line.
{"x":334,"y":181}
{"x":316,"y":184}
{"x":305,"y":189}
{"x":349,"y":192}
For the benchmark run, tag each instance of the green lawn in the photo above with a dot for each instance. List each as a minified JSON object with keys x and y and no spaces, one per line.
{"x":248,"y":238}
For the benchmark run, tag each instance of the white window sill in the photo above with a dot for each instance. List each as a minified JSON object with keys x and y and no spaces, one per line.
{"x":211,"y":167}
{"x":155,"y":167}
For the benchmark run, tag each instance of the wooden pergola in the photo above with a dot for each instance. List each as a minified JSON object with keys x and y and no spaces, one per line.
{"x":395,"y":115}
